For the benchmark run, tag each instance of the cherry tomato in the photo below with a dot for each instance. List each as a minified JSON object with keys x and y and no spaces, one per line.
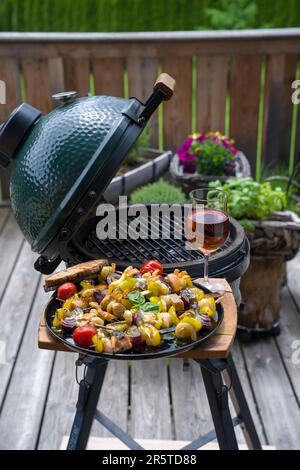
{"x":66,"y":290}
{"x":150,"y":266}
{"x":83,"y":335}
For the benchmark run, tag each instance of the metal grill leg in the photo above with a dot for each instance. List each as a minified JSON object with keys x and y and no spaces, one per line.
{"x":217,"y":394}
{"x":240,"y":404}
{"x":89,"y":391}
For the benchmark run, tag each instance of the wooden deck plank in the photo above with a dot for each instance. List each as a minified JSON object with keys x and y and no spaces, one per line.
{"x":10,"y":243}
{"x":113,"y":400}
{"x":61,"y":403}
{"x":28,"y":387}
{"x":150,"y":405}
{"x":293,"y":276}
{"x":4,"y":211}
{"x":242,"y":373}
{"x":14,"y":311}
{"x":192,"y":415}
{"x":190,"y":405}
{"x":289,"y":340}
{"x":277,"y":404}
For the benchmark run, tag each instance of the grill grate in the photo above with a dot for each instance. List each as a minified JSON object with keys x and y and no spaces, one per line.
{"x":167,"y":250}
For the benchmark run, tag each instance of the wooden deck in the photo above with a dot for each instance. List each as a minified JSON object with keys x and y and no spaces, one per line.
{"x":160,"y":399}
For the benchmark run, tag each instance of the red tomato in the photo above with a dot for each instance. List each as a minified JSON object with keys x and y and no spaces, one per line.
{"x":150,"y":266}
{"x":83,"y":335}
{"x":66,"y":290}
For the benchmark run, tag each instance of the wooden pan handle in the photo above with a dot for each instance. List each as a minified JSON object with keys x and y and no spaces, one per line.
{"x":166,"y":84}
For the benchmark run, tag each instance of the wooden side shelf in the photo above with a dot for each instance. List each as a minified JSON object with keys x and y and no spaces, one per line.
{"x":216,"y":347}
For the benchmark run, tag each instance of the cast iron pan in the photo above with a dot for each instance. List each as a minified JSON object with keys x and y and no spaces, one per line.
{"x":144,"y":352}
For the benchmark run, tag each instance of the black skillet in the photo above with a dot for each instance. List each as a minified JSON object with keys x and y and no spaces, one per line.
{"x":166,"y":348}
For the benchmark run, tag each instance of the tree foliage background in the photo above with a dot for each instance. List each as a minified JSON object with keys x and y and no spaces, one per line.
{"x":146,"y":15}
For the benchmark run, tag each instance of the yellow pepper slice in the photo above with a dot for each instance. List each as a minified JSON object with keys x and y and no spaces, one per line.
{"x":68,"y":303}
{"x":195,"y":322}
{"x":207,"y":311}
{"x":172,"y":312}
{"x":188,"y":280}
{"x":213,"y":303}
{"x":85,"y":286}
{"x":153,"y":287}
{"x":150,"y":335}
{"x":185,"y":330}
{"x":209,"y":303}
{"x":126,"y":303}
{"x":199,"y":293}
{"x":97,"y":341}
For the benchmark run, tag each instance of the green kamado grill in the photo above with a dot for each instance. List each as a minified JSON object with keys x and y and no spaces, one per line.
{"x":61,"y":166}
{"x":63,"y":162}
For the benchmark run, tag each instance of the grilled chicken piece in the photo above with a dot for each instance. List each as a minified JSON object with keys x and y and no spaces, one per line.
{"x":94,"y":305}
{"x":78,"y":303}
{"x":106,"y":316}
{"x":130,"y":271}
{"x":106,"y":270}
{"x":116,"y":344}
{"x":172,"y":300}
{"x":116,"y":308}
{"x":104,"y":302}
{"x":176,"y":282}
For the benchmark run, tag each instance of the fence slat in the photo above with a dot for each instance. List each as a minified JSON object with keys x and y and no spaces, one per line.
{"x":178,"y":111}
{"x":37,"y":83}
{"x":108,"y":76}
{"x":297,"y":147}
{"x":211,"y":92}
{"x":281,"y":71}
{"x":56,"y":75}
{"x":142,"y":74}
{"x":10,"y":74}
{"x":77,"y":75}
{"x":244,"y":104}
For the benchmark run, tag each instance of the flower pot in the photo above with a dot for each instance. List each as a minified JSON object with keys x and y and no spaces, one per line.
{"x":190,"y":181}
{"x":143,"y":174}
{"x":272,"y":243}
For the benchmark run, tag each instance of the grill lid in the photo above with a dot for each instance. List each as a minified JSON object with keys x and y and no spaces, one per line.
{"x":63,"y":162}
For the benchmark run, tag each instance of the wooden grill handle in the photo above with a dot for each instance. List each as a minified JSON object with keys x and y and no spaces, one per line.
{"x":166,"y":84}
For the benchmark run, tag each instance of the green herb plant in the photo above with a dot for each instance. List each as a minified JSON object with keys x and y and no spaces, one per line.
{"x":249,"y":200}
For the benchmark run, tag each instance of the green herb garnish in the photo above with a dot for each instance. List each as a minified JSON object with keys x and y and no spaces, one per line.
{"x":150,"y":307}
{"x":136,"y":298}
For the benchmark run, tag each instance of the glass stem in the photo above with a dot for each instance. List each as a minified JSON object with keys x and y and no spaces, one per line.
{"x":206,"y":256}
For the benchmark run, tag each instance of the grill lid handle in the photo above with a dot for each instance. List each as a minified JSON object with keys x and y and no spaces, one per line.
{"x":162,"y":91}
{"x":166,"y":84}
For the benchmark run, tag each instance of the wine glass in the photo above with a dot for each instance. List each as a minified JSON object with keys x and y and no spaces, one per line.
{"x":210,"y":226}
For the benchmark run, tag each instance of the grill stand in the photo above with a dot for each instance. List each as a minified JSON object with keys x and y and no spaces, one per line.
{"x":219,"y":375}
{"x":217,"y":391}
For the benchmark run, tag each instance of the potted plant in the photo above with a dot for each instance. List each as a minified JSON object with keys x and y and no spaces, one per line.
{"x":273,"y":232}
{"x":161,"y":192}
{"x":202,"y":157}
{"x":142,"y":165}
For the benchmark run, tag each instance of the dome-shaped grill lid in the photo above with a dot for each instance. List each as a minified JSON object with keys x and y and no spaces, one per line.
{"x":65,"y":161}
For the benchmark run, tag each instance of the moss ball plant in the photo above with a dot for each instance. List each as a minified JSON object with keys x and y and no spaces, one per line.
{"x":160,"y":191}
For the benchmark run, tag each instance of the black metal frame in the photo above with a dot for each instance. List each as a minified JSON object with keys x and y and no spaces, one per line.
{"x":220,"y":378}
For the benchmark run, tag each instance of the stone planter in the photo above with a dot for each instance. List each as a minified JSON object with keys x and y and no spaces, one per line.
{"x":272,"y":244}
{"x":190,"y":181}
{"x":144,"y":174}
